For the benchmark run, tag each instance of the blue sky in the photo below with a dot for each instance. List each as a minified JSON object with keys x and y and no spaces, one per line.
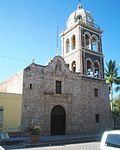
{"x":28,"y":30}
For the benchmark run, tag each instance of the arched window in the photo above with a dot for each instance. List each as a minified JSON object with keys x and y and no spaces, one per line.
{"x":89,"y":68}
{"x":96,"y":70}
{"x":67,"y":66}
{"x":94,"y":43}
{"x":74,"y":66}
{"x":73,"y":42}
{"x":79,"y":18}
{"x":67,"y":45}
{"x":87,"y":41}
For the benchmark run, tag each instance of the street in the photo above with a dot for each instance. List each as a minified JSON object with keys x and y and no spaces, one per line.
{"x":82,"y":146}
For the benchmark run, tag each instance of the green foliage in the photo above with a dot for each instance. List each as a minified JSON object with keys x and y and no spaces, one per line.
{"x":117,"y":82}
{"x":116,"y":106}
{"x":111,"y":76}
{"x":34,"y":129}
{"x":111,"y":72}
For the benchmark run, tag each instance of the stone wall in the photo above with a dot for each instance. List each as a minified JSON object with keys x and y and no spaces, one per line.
{"x":13,"y":85}
{"x":77,"y":98}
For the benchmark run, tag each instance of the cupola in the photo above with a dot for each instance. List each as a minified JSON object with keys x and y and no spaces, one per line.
{"x":80,"y":14}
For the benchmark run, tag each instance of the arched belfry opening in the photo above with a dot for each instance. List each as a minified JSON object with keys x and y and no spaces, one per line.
{"x":74,"y":66}
{"x":73,"y":40}
{"x":96,"y":69}
{"x":58,"y":120}
{"x":89,"y":68}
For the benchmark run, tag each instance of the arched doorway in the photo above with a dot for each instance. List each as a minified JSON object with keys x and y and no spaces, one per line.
{"x":58,"y":120}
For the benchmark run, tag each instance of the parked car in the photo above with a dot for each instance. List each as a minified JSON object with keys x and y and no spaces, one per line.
{"x":110,"y":140}
{"x":1,"y":148}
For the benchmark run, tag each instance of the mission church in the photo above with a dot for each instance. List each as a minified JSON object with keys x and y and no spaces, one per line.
{"x":69,"y":95}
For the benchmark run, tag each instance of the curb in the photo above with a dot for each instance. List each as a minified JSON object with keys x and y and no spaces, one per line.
{"x":62,"y":142}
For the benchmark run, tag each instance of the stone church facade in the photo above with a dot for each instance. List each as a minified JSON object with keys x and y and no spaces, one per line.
{"x":69,"y":95}
{"x":77,"y":105}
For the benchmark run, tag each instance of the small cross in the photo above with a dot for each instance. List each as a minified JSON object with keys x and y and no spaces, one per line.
{"x":33,"y":60}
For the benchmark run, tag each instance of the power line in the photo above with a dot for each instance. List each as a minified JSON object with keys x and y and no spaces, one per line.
{"x":12,"y":58}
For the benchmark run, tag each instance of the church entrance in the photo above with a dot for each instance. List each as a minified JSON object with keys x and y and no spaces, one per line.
{"x":58,"y":120}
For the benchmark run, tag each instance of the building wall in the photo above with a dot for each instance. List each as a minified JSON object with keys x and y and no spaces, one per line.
{"x":11,"y":105}
{"x":13,"y":85}
{"x":73,"y":54}
{"x":77,"y":98}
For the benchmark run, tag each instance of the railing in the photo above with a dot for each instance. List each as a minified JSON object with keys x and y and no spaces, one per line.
{"x":89,"y":24}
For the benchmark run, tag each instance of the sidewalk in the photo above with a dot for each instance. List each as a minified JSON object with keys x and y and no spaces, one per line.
{"x":23,"y":142}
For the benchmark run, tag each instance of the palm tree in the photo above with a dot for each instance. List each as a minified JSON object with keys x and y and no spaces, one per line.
{"x":116,"y":103}
{"x":111,"y":77}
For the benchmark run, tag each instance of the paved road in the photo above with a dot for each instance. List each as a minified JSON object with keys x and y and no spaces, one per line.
{"x":82,"y":146}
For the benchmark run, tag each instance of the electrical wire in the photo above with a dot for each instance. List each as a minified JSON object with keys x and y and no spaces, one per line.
{"x":12,"y":58}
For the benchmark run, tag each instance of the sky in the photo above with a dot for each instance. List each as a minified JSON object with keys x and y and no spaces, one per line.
{"x":28,"y":30}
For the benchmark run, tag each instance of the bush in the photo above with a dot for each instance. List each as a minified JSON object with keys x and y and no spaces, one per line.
{"x":34,"y":129}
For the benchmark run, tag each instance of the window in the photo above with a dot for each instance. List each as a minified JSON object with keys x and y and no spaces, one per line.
{"x":110,"y":140}
{"x":31,"y":86}
{"x":74,"y":66}
{"x":87,"y":41}
{"x":67,"y":46}
{"x":96,"y":92}
{"x":79,"y":18}
{"x":58,"y":87}
{"x":67,"y":66}
{"x":97,"y":118}
{"x":1,"y":117}
{"x":89,"y":68}
{"x":96,"y":73}
{"x":94,"y":43}
{"x":73,"y":42}
{"x":113,"y":140}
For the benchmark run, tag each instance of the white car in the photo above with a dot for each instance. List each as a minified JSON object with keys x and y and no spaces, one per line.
{"x":1,"y":148}
{"x":110,"y":140}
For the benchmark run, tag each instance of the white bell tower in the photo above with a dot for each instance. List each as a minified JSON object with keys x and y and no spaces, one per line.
{"x":82,"y":44}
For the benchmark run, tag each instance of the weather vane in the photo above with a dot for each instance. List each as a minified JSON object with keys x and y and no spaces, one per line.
{"x":79,"y":4}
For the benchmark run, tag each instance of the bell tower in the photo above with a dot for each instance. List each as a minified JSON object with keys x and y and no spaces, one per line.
{"x":82,"y":44}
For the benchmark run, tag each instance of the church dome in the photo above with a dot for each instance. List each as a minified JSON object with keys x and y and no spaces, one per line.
{"x":80,"y":14}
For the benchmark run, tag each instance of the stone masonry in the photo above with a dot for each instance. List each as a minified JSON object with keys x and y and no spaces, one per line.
{"x":77,"y":98}
{"x":13,"y":84}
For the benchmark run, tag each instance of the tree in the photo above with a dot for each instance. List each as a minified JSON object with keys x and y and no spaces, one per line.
{"x":116,"y":109}
{"x":111,"y":77}
{"x":116,"y":106}
{"x":117,"y":82}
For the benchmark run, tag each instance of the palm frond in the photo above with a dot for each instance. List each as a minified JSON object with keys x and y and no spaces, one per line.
{"x":111,"y":74}
{"x":117,"y":81}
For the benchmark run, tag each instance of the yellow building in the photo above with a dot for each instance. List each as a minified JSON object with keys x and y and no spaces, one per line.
{"x":10,"y":112}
